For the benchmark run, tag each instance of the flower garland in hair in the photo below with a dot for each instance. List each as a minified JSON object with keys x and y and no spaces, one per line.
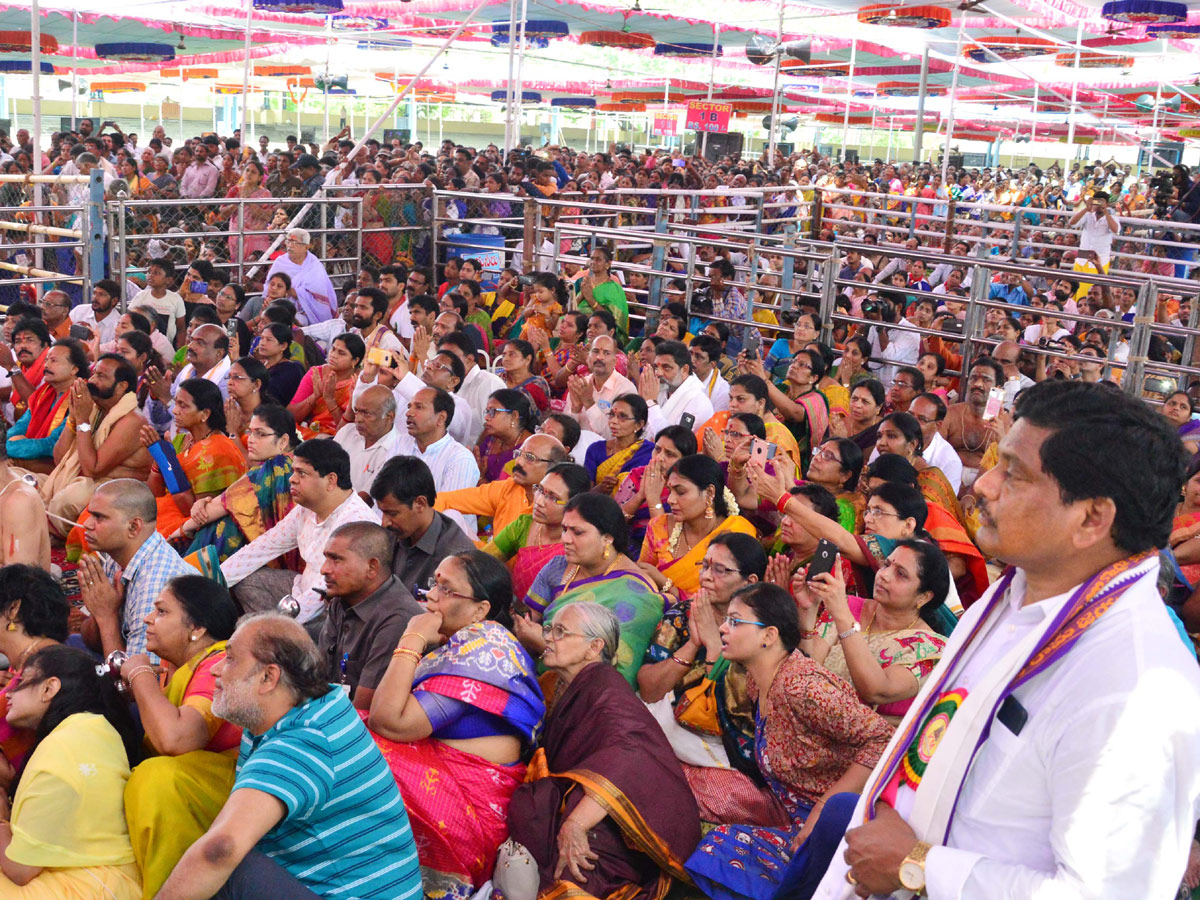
{"x":677,"y":531}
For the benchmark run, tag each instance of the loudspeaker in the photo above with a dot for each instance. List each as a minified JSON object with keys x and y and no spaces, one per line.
{"x":723,"y":145}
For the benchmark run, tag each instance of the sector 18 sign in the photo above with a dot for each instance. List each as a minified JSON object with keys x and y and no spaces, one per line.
{"x":705,"y":115}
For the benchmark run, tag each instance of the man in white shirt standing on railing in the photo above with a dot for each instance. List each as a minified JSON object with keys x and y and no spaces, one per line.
{"x":1097,"y":228}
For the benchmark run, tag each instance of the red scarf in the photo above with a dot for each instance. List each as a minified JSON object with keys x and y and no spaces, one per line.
{"x":44,"y":403}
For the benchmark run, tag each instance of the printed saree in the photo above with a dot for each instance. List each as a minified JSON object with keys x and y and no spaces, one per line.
{"x":512,"y":546}
{"x":684,"y":571}
{"x":601,"y":742}
{"x":952,"y":538}
{"x":170,"y":801}
{"x":256,"y":503}
{"x":457,"y":802}
{"x":211,"y":465}
{"x":600,"y":466}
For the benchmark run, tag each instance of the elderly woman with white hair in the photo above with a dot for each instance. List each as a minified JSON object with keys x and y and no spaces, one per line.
{"x":316,"y":300}
{"x":609,"y":810}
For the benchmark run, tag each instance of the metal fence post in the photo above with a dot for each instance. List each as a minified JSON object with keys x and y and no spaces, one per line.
{"x":659,"y":257}
{"x":814,"y":231}
{"x":528,"y":258}
{"x":788,"y":275}
{"x":980,"y":283}
{"x":1139,"y":340}
{"x":829,"y":276}
{"x":1016,"y":239}
{"x":123,"y":248}
{"x":93,"y":231}
{"x":436,"y":209}
{"x":950,"y":214}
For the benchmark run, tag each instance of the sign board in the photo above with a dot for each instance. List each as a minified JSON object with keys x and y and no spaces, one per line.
{"x":487,"y":248}
{"x":706,"y":115}
{"x":665,"y":126}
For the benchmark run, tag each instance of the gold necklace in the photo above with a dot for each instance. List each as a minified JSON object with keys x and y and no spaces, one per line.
{"x":867,"y":628}
{"x":574,"y":573}
{"x":25,"y":655}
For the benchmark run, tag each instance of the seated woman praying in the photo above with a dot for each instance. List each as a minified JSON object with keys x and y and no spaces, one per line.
{"x":607,"y":461}
{"x":172,"y":798}
{"x":456,"y":723}
{"x":815,"y":743}
{"x":65,"y":836}
{"x":607,"y":812}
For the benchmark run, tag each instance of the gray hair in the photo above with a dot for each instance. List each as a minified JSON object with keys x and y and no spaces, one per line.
{"x":281,"y":641}
{"x":301,"y":235}
{"x":598,"y":623}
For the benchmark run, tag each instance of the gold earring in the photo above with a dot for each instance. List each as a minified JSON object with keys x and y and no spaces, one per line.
{"x":11,"y":626}
{"x":708,"y":511}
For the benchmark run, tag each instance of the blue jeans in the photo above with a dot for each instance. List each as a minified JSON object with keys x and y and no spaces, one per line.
{"x":258,"y":877}
{"x":807,"y":866}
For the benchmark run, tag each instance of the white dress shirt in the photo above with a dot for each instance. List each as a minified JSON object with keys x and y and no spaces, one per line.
{"x":938,"y":452}
{"x":401,"y":322}
{"x":478,"y":386}
{"x":586,"y":439}
{"x":903,"y":349}
{"x":595,"y":417}
{"x":717,"y":389}
{"x":299,"y":529}
{"x":218,"y":375}
{"x":106,"y":328}
{"x":1099,"y":793}
{"x":453,"y":467}
{"x":465,"y":427}
{"x":689,"y":397}
{"x":365,"y":462}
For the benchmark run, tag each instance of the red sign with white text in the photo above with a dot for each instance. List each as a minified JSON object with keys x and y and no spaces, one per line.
{"x":705,"y":115}
{"x":666,"y":126}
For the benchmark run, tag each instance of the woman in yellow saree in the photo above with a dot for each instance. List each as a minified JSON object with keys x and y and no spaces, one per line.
{"x":173,"y":797}
{"x":701,"y":508}
{"x":210,"y":459}
{"x":607,"y":461}
{"x":900,"y":433}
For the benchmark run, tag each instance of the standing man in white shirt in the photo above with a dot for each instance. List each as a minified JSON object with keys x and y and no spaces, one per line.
{"x":1055,"y":749}
{"x":671,"y":390}
{"x":589,"y":398}
{"x":478,"y":383}
{"x":371,"y":439}
{"x":929,"y":410}
{"x":325,"y":499}
{"x":705,"y":352}
{"x":1097,"y":228}
{"x":898,"y":347}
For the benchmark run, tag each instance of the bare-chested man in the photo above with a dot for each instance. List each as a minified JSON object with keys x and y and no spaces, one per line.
{"x":24,"y":537}
{"x":964,"y":426}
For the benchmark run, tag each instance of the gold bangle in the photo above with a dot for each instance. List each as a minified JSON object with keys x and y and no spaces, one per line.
{"x":407,"y":652}
{"x":408,"y":634}
{"x":136,"y":672}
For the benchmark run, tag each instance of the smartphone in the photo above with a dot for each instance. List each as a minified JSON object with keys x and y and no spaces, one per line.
{"x":953,"y":326}
{"x":198,"y":287}
{"x":995,"y":403}
{"x":761,"y":450}
{"x":679,"y":163}
{"x":231,"y":326}
{"x":80,"y":332}
{"x":688,"y":421}
{"x":823,"y":559}
{"x":377,"y":356}
{"x":753,"y":344}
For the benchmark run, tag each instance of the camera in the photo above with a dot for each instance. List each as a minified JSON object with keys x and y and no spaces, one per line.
{"x":1163,"y":186}
{"x":525,"y":280}
{"x":878,"y":304}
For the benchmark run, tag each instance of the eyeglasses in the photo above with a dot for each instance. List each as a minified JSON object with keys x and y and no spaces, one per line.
{"x":717,"y":568}
{"x":734,"y":435}
{"x":903,"y":384}
{"x":529,"y":457}
{"x":925,"y":420}
{"x":491,"y":413}
{"x":874,"y":512}
{"x":540,"y":491}
{"x":620,"y":417}
{"x":558,"y":632}
{"x":800,"y":365}
{"x":828,"y":456}
{"x":734,"y":622}
{"x":432,"y":585}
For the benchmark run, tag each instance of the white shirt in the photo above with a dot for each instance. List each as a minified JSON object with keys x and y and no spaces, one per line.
{"x":401,"y":322}
{"x":595,"y":417}
{"x":465,"y":427}
{"x":478,"y":386}
{"x":586,"y":439}
{"x":717,"y":389}
{"x":218,"y":375}
{"x":1099,"y":794}
{"x":1094,"y":234}
{"x":938,"y":452}
{"x":365,"y":462}
{"x":452,"y":465}
{"x":169,"y":304}
{"x":903,"y":349}
{"x":688,"y":398}
{"x":299,"y":529}
{"x":106,"y":328}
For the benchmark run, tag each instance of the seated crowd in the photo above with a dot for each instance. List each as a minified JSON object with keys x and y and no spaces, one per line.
{"x":641,"y":604}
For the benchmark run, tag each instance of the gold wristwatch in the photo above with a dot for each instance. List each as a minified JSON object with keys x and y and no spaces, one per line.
{"x":912,"y":869}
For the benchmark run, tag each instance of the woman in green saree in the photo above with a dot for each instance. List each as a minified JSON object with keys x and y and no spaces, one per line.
{"x":600,"y":287}
{"x":223,"y":524}
{"x":593,"y":568}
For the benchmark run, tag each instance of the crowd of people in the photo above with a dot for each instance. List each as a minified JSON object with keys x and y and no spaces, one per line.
{"x":461,"y":581}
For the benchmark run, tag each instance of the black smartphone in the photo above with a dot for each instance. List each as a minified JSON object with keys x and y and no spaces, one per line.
{"x":80,"y":332}
{"x":823,"y":559}
{"x":688,"y":421}
{"x":953,"y":326}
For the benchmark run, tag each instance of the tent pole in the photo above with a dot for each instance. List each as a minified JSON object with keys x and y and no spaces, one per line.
{"x":74,"y":64}
{"x":953,"y":94}
{"x":508,"y":88}
{"x":519,"y":90}
{"x":35,"y":22}
{"x":712,"y":76}
{"x":919,"y":134}
{"x":849,"y":96}
{"x":1074,"y":90}
{"x":774,"y":129}
{"x":245,"y":73}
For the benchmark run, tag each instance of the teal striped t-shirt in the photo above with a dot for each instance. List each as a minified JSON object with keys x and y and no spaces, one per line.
{"x":346,"y":834}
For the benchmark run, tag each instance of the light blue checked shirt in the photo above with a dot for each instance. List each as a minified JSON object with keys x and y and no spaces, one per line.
{"x":153,"y":565}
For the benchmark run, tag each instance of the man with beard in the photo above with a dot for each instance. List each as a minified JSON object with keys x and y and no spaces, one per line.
{"x":405,"y":493}
{"x":315,"y":811}
{"x":371,"y":439}
{"x":102,"y":441}
{"x":130,"y":565}
{"x":968,"y":432}
{"x":207,"y":357}
{"x":366,"y":320}
{"x":367,"y":609}
{"x":671,"y":390}
{"x":511,"y":497}
{"x":1040,"y":759}
{"x":101,"y":315}
{"x":590,"y":398}
{"x":31,"y":440}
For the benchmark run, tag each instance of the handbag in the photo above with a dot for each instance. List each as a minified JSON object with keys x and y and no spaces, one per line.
{"x":697,"y":706}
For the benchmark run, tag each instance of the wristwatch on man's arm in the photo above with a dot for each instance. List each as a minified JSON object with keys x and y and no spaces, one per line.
{"x":912,"y":868}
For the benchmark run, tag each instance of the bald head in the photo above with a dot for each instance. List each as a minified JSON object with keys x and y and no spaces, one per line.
{"x":280,"y":642}
{"x":1007,"y":353}
{"x":602,"y":358}
{"x":133,"y":499}
{"x":207,"y":347}
{"x":367,"y":541}
{"x":537,"y":455}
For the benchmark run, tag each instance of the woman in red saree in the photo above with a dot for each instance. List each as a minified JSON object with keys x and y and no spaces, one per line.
{"x":322,"y":403}
{"x":455,"y":723}
{"x":531,"y":541}
{"x":609,"y":814}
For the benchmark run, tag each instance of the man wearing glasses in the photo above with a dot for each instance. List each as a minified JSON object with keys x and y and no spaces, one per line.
{"x":505,"y":500}
{"x":56,"y":309}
